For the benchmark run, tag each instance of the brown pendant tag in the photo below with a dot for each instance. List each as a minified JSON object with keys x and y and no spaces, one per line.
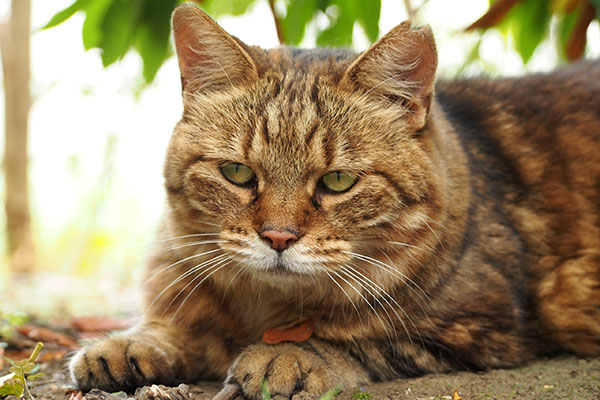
{"x":298,"y":333}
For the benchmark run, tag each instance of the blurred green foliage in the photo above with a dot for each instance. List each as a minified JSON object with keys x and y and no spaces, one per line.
{"x":341,"y":17}
{"x":117,"y":26}
{"x":22,"y":373}
{"x":528,"y":23}
{"x":9,"y":321}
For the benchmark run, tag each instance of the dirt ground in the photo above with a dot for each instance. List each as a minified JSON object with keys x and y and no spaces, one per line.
{"x":564,"y":377}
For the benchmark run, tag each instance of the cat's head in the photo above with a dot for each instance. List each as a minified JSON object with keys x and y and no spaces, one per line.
{"x":302,"y":162}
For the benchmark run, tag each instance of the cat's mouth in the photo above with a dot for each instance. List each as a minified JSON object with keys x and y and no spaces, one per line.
{"x":280,"y":267}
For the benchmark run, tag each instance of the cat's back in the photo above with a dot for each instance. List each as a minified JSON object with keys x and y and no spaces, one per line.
{"x":569,"y":85}
{"x":537,"y":137}
{"x":533,"y":149}
{"x":543,"y":127}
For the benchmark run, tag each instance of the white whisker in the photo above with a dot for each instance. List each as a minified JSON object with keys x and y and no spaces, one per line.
{"x":346,"y":294}
{"x":389,"y":268}
{"x":197,"y":244}
{"x":208,"y":223}
{"x":433,"y":232}
{"x":383,"y":324}
{"x":407,"y":245}
{"x":390,"y":297}
{"x":204,"y":268}
{"x":181,"y":261}
{"x":185,"y":275}
{"x":198,"y":285}
{"x":186,"y":236}
{"x":240,"y":270}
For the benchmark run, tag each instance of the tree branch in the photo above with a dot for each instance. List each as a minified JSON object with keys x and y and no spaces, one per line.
{"x":277,"y":22}
{"x":409,"y":9}
{"x":14,"y":45}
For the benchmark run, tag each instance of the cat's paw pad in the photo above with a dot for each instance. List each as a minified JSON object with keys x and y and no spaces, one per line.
{"x":282,"y":369}
{"x":122,"y":363}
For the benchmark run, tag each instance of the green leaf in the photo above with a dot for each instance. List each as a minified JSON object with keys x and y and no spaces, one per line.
{"x":566,"y":24}
{"x":14,"y":318}
{"x":299,"y":13}
{"x":11,"y":387}
{"x":28,"y":367}
{"x":118,"y":26}
{"x":35,"y":376}
{"x":368,"y":17}
{"x":264,"y":390}
{"x":529,"y":22}
{"x":339,"y":33}
{"x":596,"y":4}
{"x":65,"y":14}
{"x":152,"y":38}
{"x":331,"y":393}
{"x":95,"y":11}
{"x":216,"y":8}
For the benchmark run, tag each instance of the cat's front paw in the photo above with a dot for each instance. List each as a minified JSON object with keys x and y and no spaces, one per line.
{"x":284,"y":369}
{"x":125,"y":363}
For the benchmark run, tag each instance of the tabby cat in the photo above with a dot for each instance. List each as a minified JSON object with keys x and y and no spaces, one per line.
{"x":336,"y":219}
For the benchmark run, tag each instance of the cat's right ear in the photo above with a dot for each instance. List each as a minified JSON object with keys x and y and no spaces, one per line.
{"x":210,"y":59}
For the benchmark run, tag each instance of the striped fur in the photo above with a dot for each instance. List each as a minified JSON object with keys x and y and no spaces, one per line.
{"x":471,"y":239}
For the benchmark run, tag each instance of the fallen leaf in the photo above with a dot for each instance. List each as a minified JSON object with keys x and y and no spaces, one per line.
{"x":575,"y":46}
{"x":102,"y":324}
{"x":76,"y":395}
{"x":45,"y":356}
{"x":46,"y":335}
{"x":298,"y":333}
{"x":456,"y":396}
{"x":494,"y":14}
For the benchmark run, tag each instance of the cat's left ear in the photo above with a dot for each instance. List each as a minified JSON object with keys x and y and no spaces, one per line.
{"x":399,"y":68}
{"x":209,"y":58}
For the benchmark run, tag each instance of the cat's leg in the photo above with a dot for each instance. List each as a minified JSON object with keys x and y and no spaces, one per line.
{"x":569,"y":304}
{"x":149,"y":354}
{"x":314,"y":367}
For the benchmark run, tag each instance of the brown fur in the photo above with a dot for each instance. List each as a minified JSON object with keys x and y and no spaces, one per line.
{"x":471,"y":239}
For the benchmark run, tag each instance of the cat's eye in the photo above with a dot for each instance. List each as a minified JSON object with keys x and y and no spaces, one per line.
{"x":338,"y":181}
{"x":238,"y":174}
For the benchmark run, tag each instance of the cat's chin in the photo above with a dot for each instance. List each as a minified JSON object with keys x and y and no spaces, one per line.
{"x":280,"y":272}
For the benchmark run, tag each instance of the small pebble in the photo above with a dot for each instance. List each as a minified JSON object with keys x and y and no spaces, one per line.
{"x":548,"y":388}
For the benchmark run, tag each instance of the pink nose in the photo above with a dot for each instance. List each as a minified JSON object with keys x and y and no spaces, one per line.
{"x":280,"y":240}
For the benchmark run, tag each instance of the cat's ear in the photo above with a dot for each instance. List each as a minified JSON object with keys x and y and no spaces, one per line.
{"x":399,"y":68}
{"x":209,"y":58}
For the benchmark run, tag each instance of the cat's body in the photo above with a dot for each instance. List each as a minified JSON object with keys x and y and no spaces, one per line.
{"x":471,"y":238}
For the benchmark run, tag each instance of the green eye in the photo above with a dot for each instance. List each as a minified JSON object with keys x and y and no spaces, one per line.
{"x":237,"y":173}
{"x":338,"y":181}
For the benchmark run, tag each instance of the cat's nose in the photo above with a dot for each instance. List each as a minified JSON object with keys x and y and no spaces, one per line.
{"x":279,"y":239}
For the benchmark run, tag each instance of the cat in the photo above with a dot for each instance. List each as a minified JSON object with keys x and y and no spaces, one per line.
{"x":336,"y":219}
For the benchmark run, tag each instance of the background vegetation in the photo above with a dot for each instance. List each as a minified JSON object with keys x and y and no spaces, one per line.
{"x":85,"y":206}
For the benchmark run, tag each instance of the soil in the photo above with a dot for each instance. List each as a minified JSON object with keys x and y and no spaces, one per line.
{"x":558,"y":378}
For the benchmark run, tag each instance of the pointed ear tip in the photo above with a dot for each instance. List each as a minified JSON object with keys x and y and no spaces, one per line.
{"x":186,"y":11}
{"x":409,"y":27}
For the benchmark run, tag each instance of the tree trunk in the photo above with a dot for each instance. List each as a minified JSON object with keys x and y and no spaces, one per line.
{"x":14,"y":43}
